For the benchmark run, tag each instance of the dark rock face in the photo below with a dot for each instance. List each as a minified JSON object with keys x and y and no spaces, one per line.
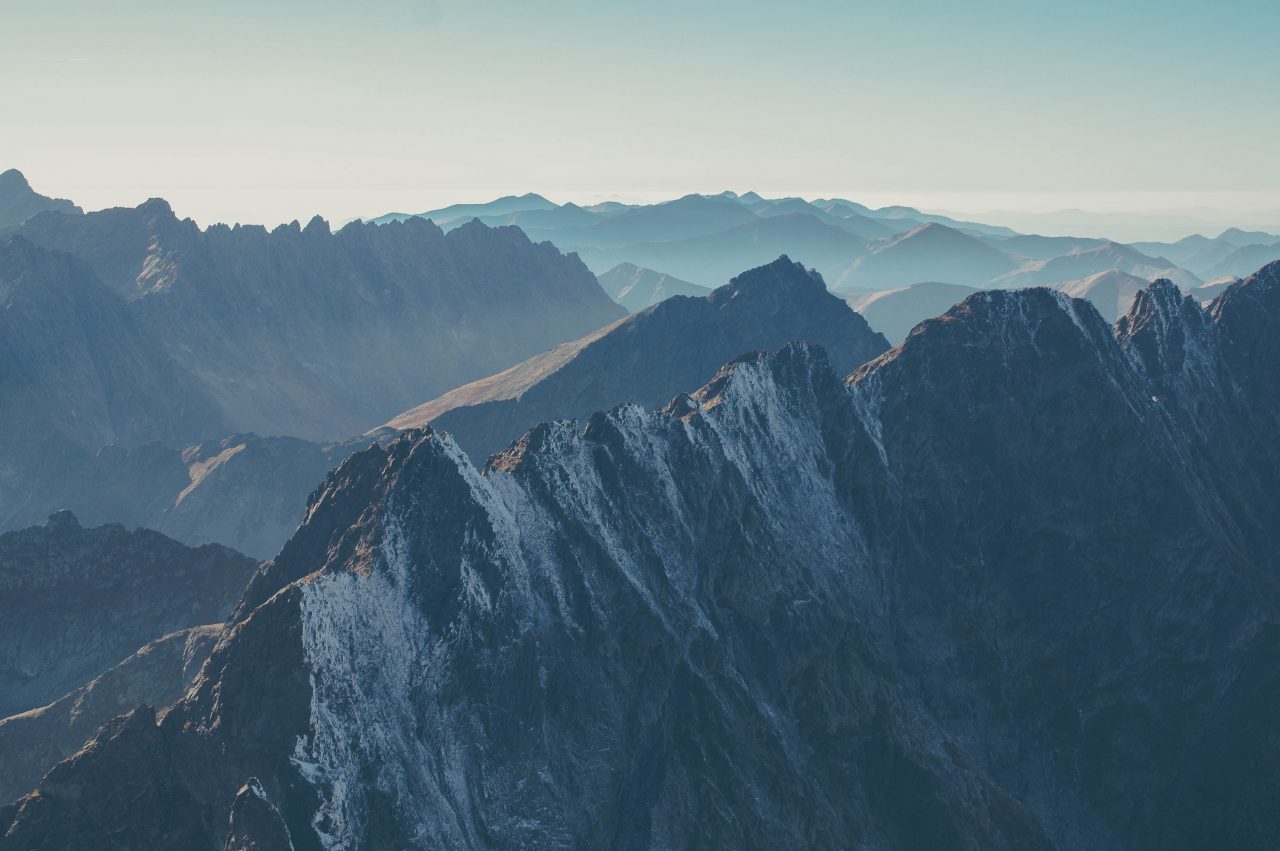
{"x":157,"y":674}
{"x":994,"y":591}
{"x":76,"y":601}
{"x":256,"y":825}
{"x":668,"y":349}
{"x":299,"y":331}
{"x":19,"y":202}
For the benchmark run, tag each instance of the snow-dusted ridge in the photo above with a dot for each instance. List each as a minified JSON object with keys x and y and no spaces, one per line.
{"x":1010,"y":585}
{"x":573,"y":516}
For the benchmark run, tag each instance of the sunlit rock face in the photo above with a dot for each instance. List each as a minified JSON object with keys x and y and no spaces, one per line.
{"x":1010,"y":585}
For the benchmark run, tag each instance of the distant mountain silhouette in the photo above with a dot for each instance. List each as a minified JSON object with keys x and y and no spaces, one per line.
{"x":930,"y":252}
{"x":909,"y":217}
{"x":1244,"y":261}
{"x":461,"y":213}
{"x":636,"y":288}
{"x":843,"y":218}
{"x":1082,"y":263}
{"x":1202,"y":255}
{"x":1241,"y":238}
{"x":708,"y":260}
{"x":1210,"y":290}
{"x":19,"y":202}
{"x":684,"y":218}
{"x":895,"y":312}
{"x":1036,"y":247}
{"x":1112,"y":291}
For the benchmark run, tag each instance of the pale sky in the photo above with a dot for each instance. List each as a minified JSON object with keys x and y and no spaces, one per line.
{"x":235,"y":112}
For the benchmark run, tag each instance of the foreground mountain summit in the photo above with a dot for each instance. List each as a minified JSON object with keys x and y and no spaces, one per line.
{"x":1013,"y":585}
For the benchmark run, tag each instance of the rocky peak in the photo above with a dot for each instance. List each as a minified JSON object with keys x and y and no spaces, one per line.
{"x":19,"y":202}
{"x":317,"y":227}
{"x":1168,"y":333}
{"x":157,"y":208}
{"x":1246,"y":315}
{"x":1009,"y":320}
{"x":12,"y":181}
{"x":779,"y":281}
{"x":63,"y":521}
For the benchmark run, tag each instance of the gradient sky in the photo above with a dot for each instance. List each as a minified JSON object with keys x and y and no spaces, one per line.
{"x":236,"y":112}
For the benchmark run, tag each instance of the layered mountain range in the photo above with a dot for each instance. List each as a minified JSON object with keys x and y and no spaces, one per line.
{"x":1012,"y":584}
{"x":896,"y":312}
{"x":203,"y":381}
{"x":649,"y":357}
{"x":296,"y":331}
{"x":706,"y":239}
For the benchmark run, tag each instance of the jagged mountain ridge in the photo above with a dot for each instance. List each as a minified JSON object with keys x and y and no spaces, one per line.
{"x":930,"y":252}
{"x":320,"y":335}
{"x":708,"y":259}
{"x":649,"y":357}
{"x":722,"y":625}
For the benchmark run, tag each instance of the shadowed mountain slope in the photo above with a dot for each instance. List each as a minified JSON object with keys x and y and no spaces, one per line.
{"x":651,"y":356}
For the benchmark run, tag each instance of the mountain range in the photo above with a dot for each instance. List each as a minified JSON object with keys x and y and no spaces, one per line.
{"x":705,"y":239}
{"x":202,"y":381}
{"x":318,"y":334}
{"x":651,"y":356}
{"x":1012,"y":584}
